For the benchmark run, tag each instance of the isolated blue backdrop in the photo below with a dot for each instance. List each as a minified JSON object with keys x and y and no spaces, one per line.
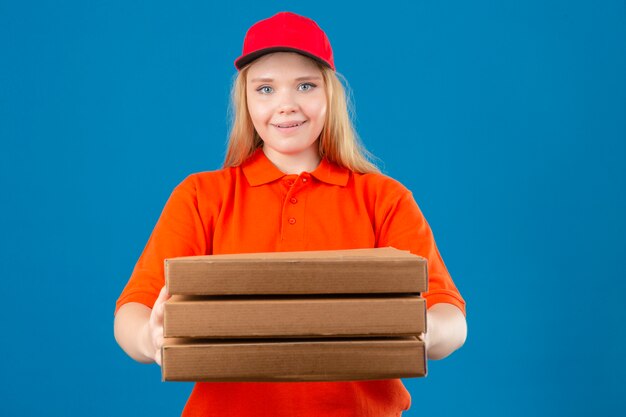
{"x":507,"y":120}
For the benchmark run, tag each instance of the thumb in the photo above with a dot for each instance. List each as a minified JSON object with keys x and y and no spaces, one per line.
{"x":163,"y":295}
{"x":158,"y":307}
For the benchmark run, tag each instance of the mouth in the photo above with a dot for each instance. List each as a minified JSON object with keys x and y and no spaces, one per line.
{"x":288,"y":125}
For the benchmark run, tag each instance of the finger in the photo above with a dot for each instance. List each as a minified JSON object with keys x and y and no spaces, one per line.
{"x":159,"y":312}
{"x":157,"y":337}
{"x":163,"y":295}
{"x":158,"y":346}
{"x":157,"y":357}
{"x":156,"y":316}
{"x":161,"y":308}
{"x":426,"y":341}
{"x":155,"y":319}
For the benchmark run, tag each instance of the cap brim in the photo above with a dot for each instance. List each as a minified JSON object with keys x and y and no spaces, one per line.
{"x":244,"y":60}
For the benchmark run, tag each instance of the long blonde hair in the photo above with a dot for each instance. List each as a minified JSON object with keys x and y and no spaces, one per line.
{"x":338,"y":142}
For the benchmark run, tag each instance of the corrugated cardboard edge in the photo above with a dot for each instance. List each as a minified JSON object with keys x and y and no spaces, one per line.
{"x":420,"y":337}
{"x":202,"y":317}
{"x":179,"y":341}
{"x":314,"y":255}
{"x":298,"y":257}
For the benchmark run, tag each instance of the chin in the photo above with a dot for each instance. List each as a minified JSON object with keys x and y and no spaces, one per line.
{"x":290,"y":149}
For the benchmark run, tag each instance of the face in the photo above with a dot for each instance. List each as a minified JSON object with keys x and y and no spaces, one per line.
{"x":287,"y":103}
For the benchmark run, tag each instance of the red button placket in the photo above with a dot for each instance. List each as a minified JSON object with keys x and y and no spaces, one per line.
{"x":292,"y":234}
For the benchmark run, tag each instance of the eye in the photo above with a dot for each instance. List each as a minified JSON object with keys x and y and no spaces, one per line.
{"x":264,"y":89}
{"x":306,"y":86}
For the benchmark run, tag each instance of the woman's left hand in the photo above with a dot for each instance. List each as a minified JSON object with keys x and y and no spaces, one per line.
{"x":446,"y":330}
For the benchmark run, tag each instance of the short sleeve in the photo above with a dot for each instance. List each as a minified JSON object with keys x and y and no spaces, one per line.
{"x":404,"y":227}
{"x":179,"y":231}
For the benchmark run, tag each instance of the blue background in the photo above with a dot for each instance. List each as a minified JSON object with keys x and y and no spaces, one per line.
{"x":506,"y":119}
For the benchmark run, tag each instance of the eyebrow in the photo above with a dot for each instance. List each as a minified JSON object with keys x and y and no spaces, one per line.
{"x":306,"y":77}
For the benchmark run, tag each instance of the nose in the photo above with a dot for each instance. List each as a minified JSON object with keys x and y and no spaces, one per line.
{"x":287,"y":104}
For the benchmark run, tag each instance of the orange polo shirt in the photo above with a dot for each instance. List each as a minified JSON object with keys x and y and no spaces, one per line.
{"x":257,"y":208}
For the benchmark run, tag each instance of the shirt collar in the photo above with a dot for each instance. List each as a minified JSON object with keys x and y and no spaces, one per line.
{"x":259,"y":170}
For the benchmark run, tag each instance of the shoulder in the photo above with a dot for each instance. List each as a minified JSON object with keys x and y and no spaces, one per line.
{"x":379,"y":185}
{"x":204,"y":181}
{"x":204,"y":189}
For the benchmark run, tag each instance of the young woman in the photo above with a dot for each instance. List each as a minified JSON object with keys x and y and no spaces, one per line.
{"x":295,"y":178}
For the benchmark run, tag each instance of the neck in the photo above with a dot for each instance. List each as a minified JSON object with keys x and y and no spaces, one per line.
{"x":294,"y":164}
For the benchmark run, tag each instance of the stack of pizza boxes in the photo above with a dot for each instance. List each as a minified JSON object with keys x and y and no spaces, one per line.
{"x":340,"y":315}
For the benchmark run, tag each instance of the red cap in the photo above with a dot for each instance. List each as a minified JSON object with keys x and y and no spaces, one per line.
{"x":287,"y":32}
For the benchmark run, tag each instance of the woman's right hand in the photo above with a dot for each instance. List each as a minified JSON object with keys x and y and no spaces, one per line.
{"x":154,"y":327}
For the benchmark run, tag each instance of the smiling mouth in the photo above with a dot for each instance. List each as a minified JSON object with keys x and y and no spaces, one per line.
{"x":289,"y":125}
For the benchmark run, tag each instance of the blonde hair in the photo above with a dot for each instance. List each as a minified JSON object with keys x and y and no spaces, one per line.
{"x":338,"y":142}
